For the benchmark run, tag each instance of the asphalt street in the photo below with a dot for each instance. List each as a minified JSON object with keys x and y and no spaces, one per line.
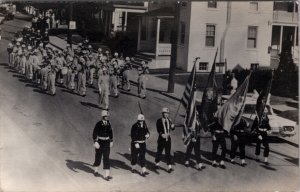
{"x":46,"y":143}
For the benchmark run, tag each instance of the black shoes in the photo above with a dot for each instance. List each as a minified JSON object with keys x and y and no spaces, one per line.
{"x":223,"y":166}
{"x":108,"y":178}
{"x":170,"y":170}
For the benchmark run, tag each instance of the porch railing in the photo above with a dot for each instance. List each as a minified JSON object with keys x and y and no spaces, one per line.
{"x":286,"y":17}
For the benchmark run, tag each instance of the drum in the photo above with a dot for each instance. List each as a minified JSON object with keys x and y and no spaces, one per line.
{"x":64,"y":70}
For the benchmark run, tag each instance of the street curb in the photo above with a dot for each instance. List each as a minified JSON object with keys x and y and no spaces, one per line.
{"x":171,"y":95}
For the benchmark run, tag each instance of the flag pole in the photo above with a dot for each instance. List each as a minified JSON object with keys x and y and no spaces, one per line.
{"x":180,"y":101}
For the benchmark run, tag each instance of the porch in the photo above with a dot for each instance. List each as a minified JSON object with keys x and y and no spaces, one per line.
{"x":154,"y":37}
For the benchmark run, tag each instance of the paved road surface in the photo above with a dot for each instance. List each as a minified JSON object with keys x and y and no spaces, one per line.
{"x":46,"y":144}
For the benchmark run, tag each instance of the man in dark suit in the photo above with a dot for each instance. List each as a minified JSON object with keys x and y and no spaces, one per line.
{"x":164,"y":125}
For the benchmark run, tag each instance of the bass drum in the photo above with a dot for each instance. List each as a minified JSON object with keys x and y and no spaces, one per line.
{"x":64,"y":70}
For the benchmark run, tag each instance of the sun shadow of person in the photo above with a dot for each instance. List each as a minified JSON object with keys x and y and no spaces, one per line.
{"x":268,"y":168}
{"x":79,"y":165}
{"x":179,"y":158}
{"x":117,"y":164}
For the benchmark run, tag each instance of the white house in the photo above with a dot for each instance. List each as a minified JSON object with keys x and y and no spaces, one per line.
{"x":242,"y":32}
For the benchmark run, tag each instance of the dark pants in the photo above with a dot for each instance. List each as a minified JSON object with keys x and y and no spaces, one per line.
{"x":265,"y":143}
{"x":138,"y":154}
{"x":196,"y":147}
{"x":163,"y":144}
{"x":240,"y":143}
{"x":104,"y":151}
{"x":222,"y":142}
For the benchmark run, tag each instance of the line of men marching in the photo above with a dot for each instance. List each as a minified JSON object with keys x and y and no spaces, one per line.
{"x":32,"y":56}
{"x":103,"y":141}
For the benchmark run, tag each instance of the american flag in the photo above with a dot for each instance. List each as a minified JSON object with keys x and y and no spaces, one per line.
{"x":189,"y":102}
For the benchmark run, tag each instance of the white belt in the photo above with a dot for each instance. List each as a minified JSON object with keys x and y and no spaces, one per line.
{"x":103,"y":138}
{"x":261,"y":129}
{"x":217,"y":131}
{"x":139,"y":141}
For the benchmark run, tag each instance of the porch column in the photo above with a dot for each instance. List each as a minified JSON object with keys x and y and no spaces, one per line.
{"x":295,"y":35}
{"x":139,"y":34}
{"x":280,"y":42}
{"x":157,"y":37}
{"x":125,"y":22}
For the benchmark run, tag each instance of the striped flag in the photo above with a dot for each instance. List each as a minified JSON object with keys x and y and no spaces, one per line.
{"x":209,"y":104}
{"x":189,"y":102}
{"x":231,"y":112}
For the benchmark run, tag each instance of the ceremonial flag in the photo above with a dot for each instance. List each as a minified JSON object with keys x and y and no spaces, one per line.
{"x":189,"y":101}
{"x":231,"y":112}
{"x":262,"y":99}
{"x":209,"y":103}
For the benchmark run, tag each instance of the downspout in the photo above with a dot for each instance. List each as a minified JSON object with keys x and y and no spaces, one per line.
{"x":222,"y":44}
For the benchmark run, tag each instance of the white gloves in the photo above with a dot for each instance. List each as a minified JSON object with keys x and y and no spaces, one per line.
{"x":164,"y":135}
{"x":137,"y":145}
{"x":235,"y":137}
{"x":96,"y":145}
{"x":194,"y":140}
{"x":147,"y":135}
{"x":260,"y":137}
{"x":214,"y":138}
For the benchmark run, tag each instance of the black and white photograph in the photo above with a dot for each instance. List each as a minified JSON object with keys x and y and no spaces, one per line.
{"x":149,"y":96}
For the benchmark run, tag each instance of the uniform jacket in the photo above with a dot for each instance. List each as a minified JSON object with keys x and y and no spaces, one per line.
{"x":139,"y":133}
{"x":160,"y":127}
{"x":102,"y":130}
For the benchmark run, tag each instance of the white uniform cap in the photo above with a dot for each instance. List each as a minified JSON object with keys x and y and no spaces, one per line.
{"x":104,"y":113}
{"x":99,"y":49}
{"x":29,"y":47}
{"x":165,"y":110}
{"x":127,"y":59}
{"x":89,"y":46}
{"x":141,"y":117}
{"x":116,"y":54}
{"x":41,"y":44}
{"x":18,"y":43}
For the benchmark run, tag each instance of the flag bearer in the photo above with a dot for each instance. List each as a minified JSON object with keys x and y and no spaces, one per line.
{"x":139,"y":134}
{"x":164,"y":125}
{"x":238,"y":139}
{"x":218,"y":139}
{"x":262,"y":136}
{"x":103,"y":141}
{"x":194,"y":145}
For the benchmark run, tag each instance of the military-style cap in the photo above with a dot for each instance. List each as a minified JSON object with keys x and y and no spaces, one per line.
{"x":165,"y":110}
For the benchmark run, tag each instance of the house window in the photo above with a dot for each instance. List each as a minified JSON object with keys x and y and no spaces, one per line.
{"x":252,"y":37}
{"x":203,"y":66}
{"x":182,"y":33}
{"x":210,"y":35}
{"x":183,"y":4}
{"x":254,"y":5}
{"x":254,"y":66}
{"x":212,"y":4}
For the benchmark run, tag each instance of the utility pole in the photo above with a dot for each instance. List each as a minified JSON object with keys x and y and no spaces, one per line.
{"x":70,"y":19}
{"x":174,"y":42}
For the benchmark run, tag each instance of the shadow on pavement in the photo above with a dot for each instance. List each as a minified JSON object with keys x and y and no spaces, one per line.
{"x":179,"y":158}
{"x":12,"y":71}
{"x":268,"y":168}
{"x":117,"y":164}
{"x":68,"y":91}
{"x":87,"y":104}
{"x":31,"y":85}
{"x":19,"y":76}
{"x":3,"y":64}
{"x":40,"y":91}
{"x":78,"y":165}
{"x":128,"y":93}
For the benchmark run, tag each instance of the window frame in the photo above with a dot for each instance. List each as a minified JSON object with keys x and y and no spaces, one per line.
{"x":203,"y":66}
{"x":252,"y":38}
{"x":210,"y":36}
{"x":251,"y":5}
{"x":214,"y":3}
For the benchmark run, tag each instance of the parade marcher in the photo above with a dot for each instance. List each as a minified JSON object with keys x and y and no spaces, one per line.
{"x":103,"y":86}
{"x":238,"y":140}
{"x":44,"y":75}
{"x":164,"y":126}
{"x":29,"y":66}
{"x":51,"y":80}
{"x":139,"y":134}
{"x":9,"y":51}
{"x":23,"y":63}
{"x":194,"y":145}
{"x":103,"y":141}
{"x":142,"y":71}
{"x":81,"y":84}
{"x":125,"y":74}
{"x":218,"y":139}
{"x":91,"y":69}
{"x":262,"y":136}
{"x":113,"y":80}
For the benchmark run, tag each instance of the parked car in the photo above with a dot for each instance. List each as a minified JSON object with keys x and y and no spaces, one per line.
{"x":279,"y":126}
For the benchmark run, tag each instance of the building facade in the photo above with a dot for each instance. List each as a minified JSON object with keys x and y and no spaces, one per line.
{"x":241,"y":31}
